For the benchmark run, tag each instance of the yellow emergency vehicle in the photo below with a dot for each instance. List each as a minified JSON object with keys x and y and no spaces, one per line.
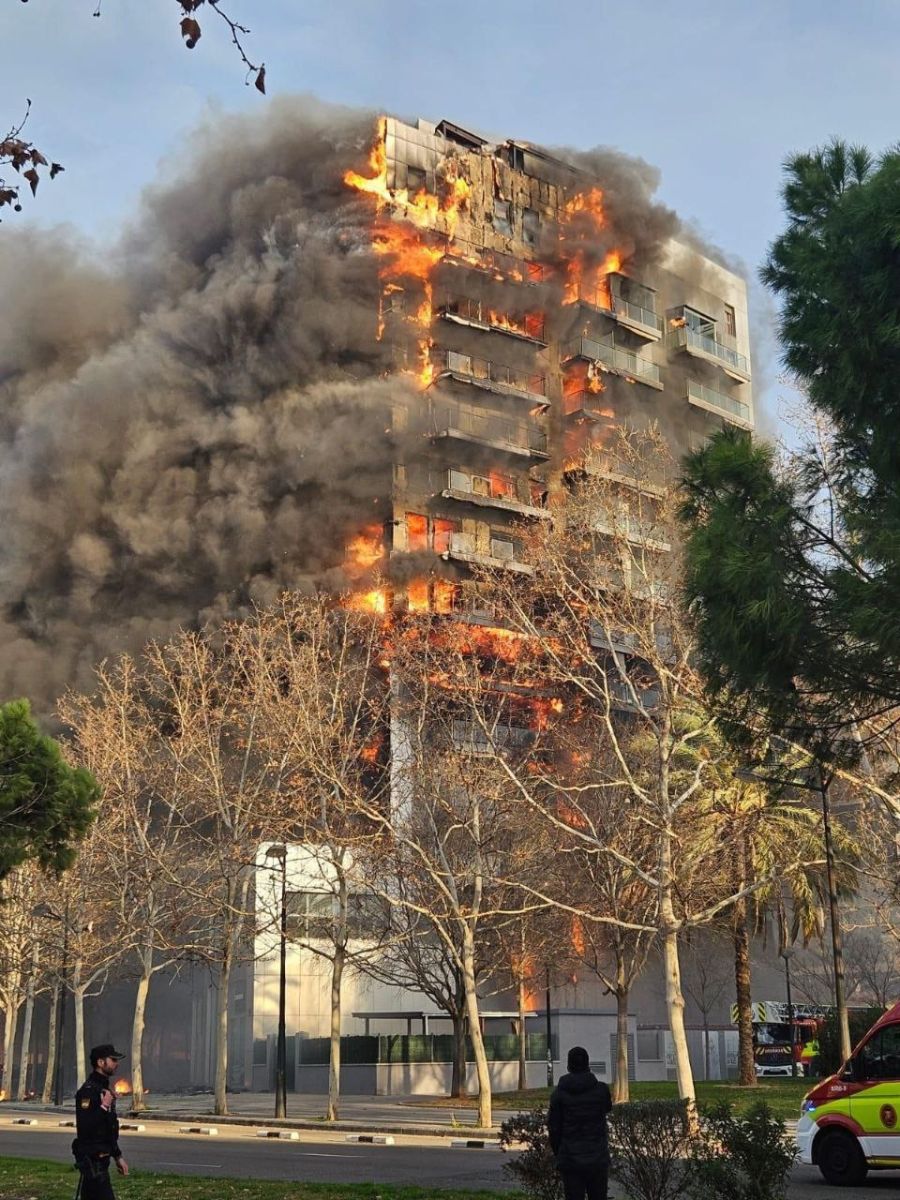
{"x":850,"y":1123}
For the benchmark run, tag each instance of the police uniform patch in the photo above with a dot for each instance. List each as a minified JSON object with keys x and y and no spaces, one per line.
{"x":85,"y":1104}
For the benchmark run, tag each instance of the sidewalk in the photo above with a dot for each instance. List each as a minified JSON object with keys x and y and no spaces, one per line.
{"x":370,"y":1114}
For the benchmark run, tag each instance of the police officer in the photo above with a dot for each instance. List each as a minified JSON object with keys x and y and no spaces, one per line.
{"x":96,"y":1143}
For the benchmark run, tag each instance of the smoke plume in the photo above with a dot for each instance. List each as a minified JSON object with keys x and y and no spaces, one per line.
{"x":202,"y":424}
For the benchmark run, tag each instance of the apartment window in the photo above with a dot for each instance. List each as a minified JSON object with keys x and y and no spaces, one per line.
{"x":309,"y":914}
{"x":503,"y":487}
{"x":442,"y":531}
{"x":650,"y":1045}
{"x":503,"y":216}
{"x":531,"y":226}
{"x":730,"y":323}
{"x":505,"y":547}
{"x":416,"y":531}
{"x":416,"y":180}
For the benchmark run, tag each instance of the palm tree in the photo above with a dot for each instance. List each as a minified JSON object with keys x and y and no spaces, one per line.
{"x":765,"y":829}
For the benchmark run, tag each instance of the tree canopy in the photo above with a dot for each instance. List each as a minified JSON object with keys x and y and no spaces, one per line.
{"x":46,"y":805}
{"x":793,"y":562}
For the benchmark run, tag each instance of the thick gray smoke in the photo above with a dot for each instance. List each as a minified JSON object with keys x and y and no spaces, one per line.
{"x":638,"y":225}
{"x":203,"y":424}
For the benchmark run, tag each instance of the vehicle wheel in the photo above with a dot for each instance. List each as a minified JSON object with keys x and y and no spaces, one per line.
{"x":841,"y":1159}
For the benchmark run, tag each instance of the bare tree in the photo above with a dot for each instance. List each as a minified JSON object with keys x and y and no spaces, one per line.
{"x":602,"y":628}
{"x":117,"y":733}
{"x":449,"y":833}
{"x":216,"y":763}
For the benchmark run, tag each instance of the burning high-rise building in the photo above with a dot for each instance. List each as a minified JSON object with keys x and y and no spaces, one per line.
{"x":536,"y":302}
{"x":337,"y":354}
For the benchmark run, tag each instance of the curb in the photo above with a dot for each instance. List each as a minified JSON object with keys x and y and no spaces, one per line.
{"x":475,"y":1144}
{"x":289,"y":1135}
{"x":208,"y":1130}
{"x":371,"y":1139}
{"x":328,"y":1126}
{"x":24,"y":1121}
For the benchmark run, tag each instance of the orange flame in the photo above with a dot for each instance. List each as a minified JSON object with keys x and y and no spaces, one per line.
{"x":122,"y":1087}
{"x":409,"y":255}
{"x":584,"y":217}
{"x":578,"y":941}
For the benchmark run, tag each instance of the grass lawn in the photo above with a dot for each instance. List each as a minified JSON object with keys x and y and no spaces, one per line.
{"x":783,"y":1095}
{"x":30,"y":1179}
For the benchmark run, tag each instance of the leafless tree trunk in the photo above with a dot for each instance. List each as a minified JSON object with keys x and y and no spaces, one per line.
{"x":22,"y":1088}
{"x":52,"y":1027}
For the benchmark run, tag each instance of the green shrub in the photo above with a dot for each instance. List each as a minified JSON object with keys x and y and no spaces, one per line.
{"x":650,"y":1144}
{"x":745,"y":1157}
{"x":534,"y":1169}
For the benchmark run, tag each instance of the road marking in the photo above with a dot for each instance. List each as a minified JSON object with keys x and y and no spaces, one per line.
{"x":149,"y":1170}
{"x":317,"y":1154}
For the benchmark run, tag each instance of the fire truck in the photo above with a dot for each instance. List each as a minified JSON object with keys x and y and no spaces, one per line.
{"x":780,"y":1039}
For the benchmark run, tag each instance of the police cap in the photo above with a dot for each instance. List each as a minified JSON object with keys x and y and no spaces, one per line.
{"x":106,"y":1050}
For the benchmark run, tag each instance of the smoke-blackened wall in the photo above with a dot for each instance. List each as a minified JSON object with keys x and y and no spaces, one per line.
{"x":202,"y":421}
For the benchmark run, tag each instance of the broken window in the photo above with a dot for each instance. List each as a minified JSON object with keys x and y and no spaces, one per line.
{"x":442,"y":531}
{"x":416,"y":180}
{"x":503,"y":487}
{"x":531,"y":226}
{"x":416,"y":531}
{"x":503,"y":216}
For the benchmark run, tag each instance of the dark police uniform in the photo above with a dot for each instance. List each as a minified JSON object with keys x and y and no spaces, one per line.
{"x":96,"y":1145}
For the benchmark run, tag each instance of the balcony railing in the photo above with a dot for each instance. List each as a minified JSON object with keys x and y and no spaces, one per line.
{"x":685,"y":338}
{"x":593,"y":405}
{"x":490,"y":374}
{"x":708,"y":398}
{"x":489,"y":427}
{"x":626,"y":362}
{"x":637,"y":315}
{"x":520,"y":270}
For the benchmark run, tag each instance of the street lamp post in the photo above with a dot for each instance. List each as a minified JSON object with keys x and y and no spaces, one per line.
{"x":549,"y":1040}
{"x":786,"y":954}
{"x":280,"y":853}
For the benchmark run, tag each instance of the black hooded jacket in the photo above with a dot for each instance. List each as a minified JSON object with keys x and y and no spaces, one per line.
{"x":577,"y":1121}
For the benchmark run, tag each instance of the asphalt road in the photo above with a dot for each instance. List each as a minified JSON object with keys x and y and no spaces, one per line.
{"x":236,"y":1151}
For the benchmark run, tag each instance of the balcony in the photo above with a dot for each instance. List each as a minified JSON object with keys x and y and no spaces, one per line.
{"x":705,"y":346}
{"x":632,"y":696}
{"x":635,"y":317}
{"x":731,"y":410}
{"x":461,"y":253}
{"x":615,"y":359}
{"x":491,"y":376}
{"x":502,"y":556}
{"x":529,"y":327}
{"x":466,"y":424}
{"x":466,"y":496}
{"x":587,"y":406}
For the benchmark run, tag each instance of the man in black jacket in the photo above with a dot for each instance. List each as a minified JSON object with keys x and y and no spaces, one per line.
{"x":96,"y":1143}
{"x":577,"y":1124}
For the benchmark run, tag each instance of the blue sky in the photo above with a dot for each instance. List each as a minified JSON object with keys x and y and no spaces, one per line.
{"x":716,"y":97}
